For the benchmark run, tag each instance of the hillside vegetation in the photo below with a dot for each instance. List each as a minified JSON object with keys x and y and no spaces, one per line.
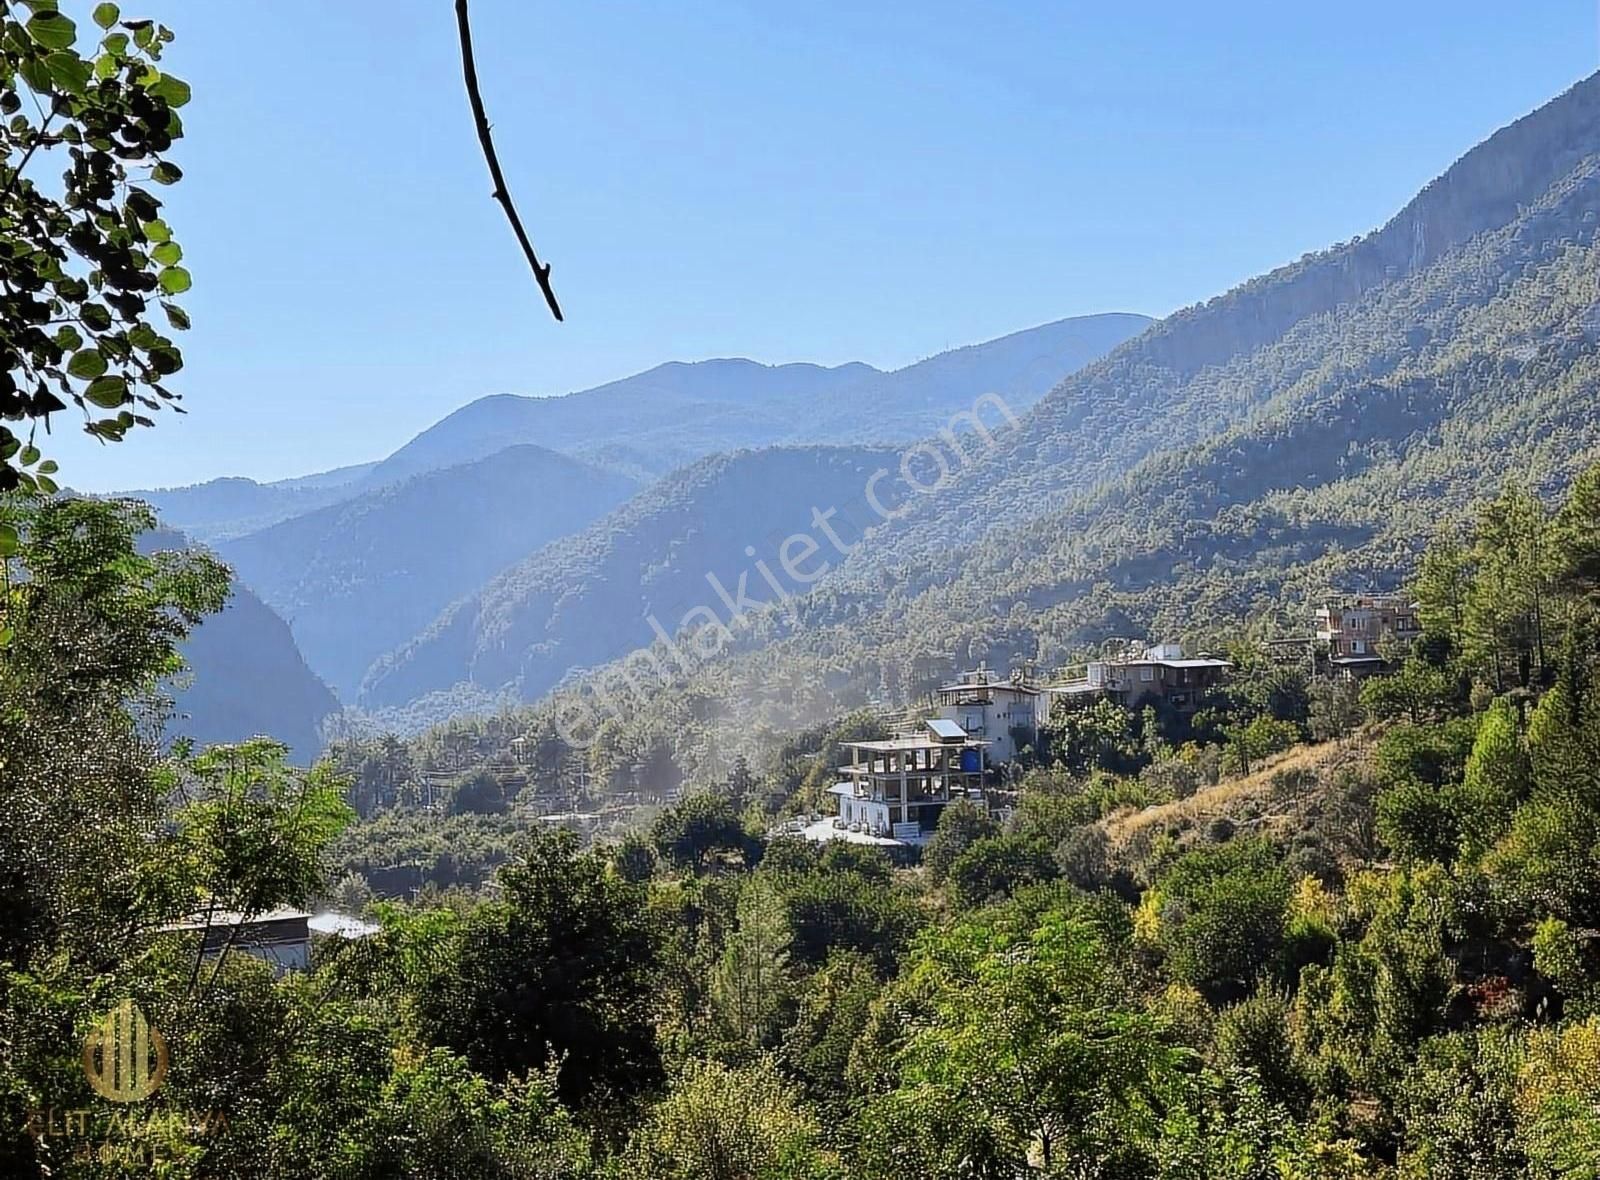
{"x":586,"y":599}
{"x":1365,"y":395}
{"x":360,"y":577}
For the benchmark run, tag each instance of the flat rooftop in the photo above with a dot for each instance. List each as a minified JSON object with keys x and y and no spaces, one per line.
{"x":889,"y":745}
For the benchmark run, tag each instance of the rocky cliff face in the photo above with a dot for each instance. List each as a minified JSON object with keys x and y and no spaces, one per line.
{"x":1482,"y":191}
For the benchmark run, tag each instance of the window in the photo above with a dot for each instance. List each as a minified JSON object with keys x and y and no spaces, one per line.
{"x":1358,"y":646}
{"x":1147,"y":673}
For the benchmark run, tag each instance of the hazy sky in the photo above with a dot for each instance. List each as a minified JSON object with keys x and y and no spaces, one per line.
{"x":783,"y":181}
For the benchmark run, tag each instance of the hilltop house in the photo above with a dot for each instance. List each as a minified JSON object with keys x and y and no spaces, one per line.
{"x":1005,"y":712}
{"x":1161,"y":672}
{"x":1352,"y":627}
{"x":894,"y":790}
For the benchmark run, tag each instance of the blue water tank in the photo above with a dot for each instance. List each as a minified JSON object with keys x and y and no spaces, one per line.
{"x":970,"y":761}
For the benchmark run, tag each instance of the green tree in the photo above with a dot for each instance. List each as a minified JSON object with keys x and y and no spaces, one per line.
{"x":961,"y":825}
{"x":86,"y":255}
{"x":1441,"y":587}
{"x":1096,"y":736}
{"x":479,"y":793}
{"x":831,"y":1014}
{"x":562,"y":963}
{"x":690,"y":832}
{"x":1019,"y":1056}
{"x":1506,"y":620}
{"x":1577,"y":538}
{"x":718,"y":1123}
{"x":1497,"y":779}
{"x":1418,"y":691}
{"x":752,"y":985}
{"x":998,"y":866}
{"x":1254,"y":1035}
{"x":1221,"y":913}
{"x":89,"y":633}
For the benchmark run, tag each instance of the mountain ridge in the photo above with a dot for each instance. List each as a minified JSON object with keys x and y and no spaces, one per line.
{"x":360,"y":576}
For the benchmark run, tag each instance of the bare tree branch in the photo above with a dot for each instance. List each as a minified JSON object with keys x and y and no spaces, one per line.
{"x":469,"y":71}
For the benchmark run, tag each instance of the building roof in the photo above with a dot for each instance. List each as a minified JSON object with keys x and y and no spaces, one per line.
{"x":948,"y":730}
{"x":842,"y":789}
{"x":1087,"y":686}
{"x":1074,"y":687}
{"x":823,"y":830}
{"x":224,"y":919}
{"x":888,"y":745}
{"x":1023,"y":687}
{"x":341,"y":925}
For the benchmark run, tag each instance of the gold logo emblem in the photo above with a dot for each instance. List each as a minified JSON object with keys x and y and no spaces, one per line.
{"x":124,"y":1057}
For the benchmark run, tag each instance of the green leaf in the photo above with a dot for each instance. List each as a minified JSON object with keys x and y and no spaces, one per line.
{"x":48,"y":467}
{"x":105,"y":15}
{"x":95,"y":317}
{"x":69,"y":72}
{"x":166,"y":173}
{"x":6,"y":633}
{"x":37,"y":75}
{"x":167,"y":253}
{"x":175,"y":280}
{"x":68,"y":339}
{"x":52,"y":30}
{"x":87,"y":364}
{"x":29,"y":456}
{"x":107,"y":392}
{"x":174,"y":90}
{"x":46,"y":485}
{"x":10,"y":543}
{"x":176,"y":316}
{"x":144,"y":206}
{"x":157,"y":231}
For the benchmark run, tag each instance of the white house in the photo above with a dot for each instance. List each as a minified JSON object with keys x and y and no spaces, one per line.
{"x":1006,"y":712}
{"x":894,"y":790}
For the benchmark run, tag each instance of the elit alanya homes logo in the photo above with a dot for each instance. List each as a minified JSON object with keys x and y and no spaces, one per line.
{"x":124,"y":1057}
{"x":125,"y":1060}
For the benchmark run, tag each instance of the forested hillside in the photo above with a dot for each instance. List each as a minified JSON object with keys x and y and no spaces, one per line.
{"x":1314,"y":907}
{"x":1317,"y":930}
{"x":1364,"y":395}
{"x":360,"y":577}
{"x":585,"y":599}
{"x":245,"y":677}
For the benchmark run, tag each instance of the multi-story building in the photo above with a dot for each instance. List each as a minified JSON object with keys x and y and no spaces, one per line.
{"x":1159,"y":672}
{"x":894,"y":790}
{"x":1004,"y":711}
{"x":1352,"y":628}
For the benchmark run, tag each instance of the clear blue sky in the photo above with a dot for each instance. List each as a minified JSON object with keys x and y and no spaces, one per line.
{"x":816,"y":181}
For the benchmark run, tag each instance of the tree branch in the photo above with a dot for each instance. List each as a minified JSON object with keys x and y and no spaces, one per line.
{"x":469,"y":72}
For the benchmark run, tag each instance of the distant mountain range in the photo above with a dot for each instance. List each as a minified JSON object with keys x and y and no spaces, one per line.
{"x":361,"y":561}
